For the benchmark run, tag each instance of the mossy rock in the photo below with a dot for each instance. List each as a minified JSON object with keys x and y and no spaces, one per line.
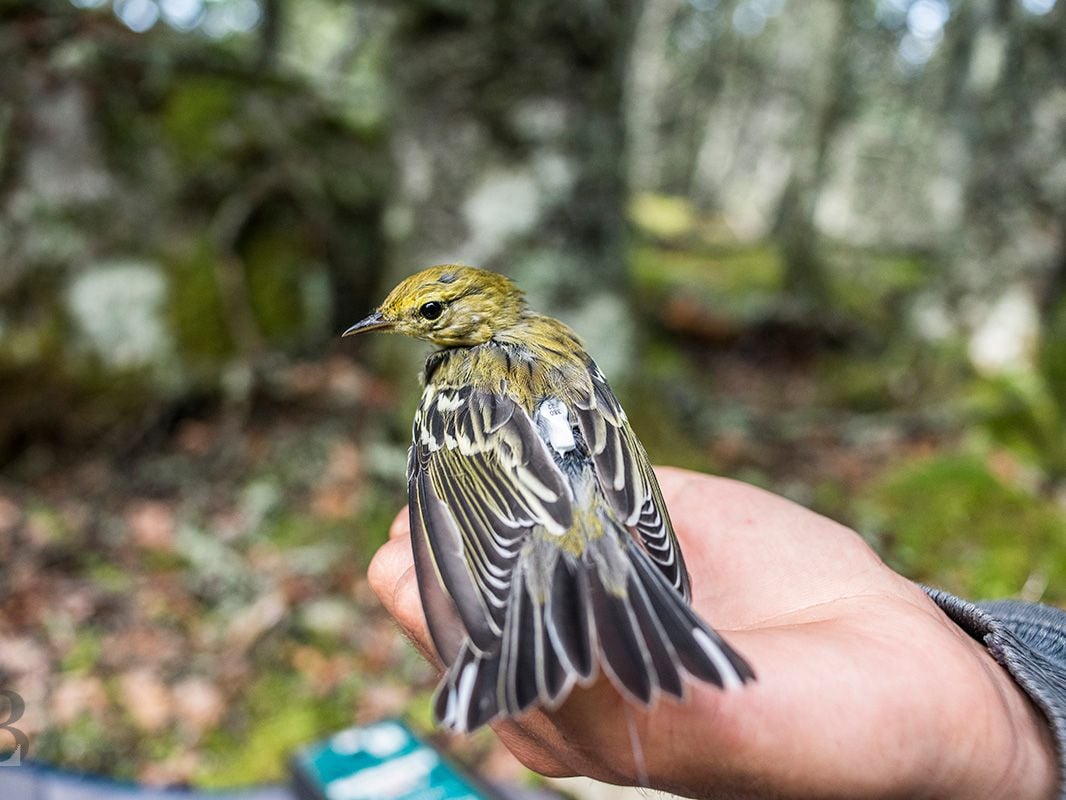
{"x":276,"y":715}
{"x":196,"y":311}
{"x":86,"y":744}
{"x":676,"y":438}
{"x":276,"y":262}
{"x":662,"y":217}
{"x":951,"y":522}
{"x":66,"y":400}
{"x":738,"y":283}
{"x":903,"y":373}
{"x":868,"y":286}
{"x":194,"y":117}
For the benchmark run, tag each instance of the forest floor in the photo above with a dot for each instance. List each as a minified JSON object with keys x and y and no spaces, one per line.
{"x":190,"y":604}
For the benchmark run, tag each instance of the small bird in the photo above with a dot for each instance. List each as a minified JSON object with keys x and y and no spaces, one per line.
{"x":542,"y":546}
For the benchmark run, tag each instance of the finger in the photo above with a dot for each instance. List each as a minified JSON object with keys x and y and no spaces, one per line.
{"x":401,"y":525}
{"x":392,"y":577}
{"x":590,"y":734}
{"x":533,"y":741}
{"x":743,"y":545}
{"x":387,"y":568}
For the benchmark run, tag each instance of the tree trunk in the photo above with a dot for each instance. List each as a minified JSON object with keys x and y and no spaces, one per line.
{"x":806,"y":280}
{"x":508,"y":136}
{"x":652,"y":83}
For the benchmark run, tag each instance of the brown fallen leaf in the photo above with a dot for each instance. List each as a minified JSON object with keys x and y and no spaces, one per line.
{"x":198,"y":704}
{"x":10,"y":514}
{"x":254,"y":620}
{"x":151,"y":524}
{"x":146,"y":699}
{"x":75,"y":695}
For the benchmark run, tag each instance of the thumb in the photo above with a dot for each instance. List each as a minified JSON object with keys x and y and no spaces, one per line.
{"x":392,"y":578}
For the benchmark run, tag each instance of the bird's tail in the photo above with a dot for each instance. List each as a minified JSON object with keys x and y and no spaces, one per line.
{"x":611,"y":609}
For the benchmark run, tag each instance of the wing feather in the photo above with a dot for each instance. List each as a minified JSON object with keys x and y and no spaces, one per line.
{"x":441,"y":614}
{"x":482,"y":479}
{"x":627,"y":479}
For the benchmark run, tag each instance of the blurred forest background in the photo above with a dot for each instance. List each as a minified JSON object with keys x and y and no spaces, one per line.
{"x":819,"y":246}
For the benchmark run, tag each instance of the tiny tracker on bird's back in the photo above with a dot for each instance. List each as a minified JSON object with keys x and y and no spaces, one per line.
{"x":382,"y":761}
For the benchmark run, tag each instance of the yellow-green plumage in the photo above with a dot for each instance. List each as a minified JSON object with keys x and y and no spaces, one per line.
{"x":543,"y":548}
{"x":534,"y":357}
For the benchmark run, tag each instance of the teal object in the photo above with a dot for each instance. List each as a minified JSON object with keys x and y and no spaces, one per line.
{"x":383,"y":761}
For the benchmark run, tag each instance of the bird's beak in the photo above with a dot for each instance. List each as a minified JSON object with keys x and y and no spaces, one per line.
{"x":374,"y":322}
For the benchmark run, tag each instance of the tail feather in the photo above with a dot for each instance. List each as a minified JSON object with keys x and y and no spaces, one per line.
{"x":466,"y":697}
{"x":567,"y":620}
{"x":523,"y":661}
{"x":644,"y":637}
{"x":701,"y":651}
{"x":526,"y":669}
{"x":558,"y":679}
{"x":660,"y":651}
{"x":553,"y":674}
{"x":622,"y":649}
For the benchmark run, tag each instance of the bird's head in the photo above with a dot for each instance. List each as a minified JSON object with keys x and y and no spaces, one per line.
{"x":448,"y":305}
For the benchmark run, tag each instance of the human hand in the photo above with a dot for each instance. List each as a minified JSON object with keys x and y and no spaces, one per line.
{"x":865,"y":688}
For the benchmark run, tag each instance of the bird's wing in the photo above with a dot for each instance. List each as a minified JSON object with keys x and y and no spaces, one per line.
{"x":627,"y":479}
{"x":480,"y":478}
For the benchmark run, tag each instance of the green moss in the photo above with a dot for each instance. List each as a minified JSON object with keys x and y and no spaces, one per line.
{"x":831,"y":498}
{"x":48,"y":525}
{"x":858,"y":384}
{"x":193,"y":117}
{"x":262,"y":755}
{"x":275,"y":261}
{"x":359,"y":535}
{"x":746,"y":282}
{"x":668,"y":438}
{"x":1052,"y":357}
{"x":108,"y":576}
{"x":661,"y":216}
{"x":34,"y":342}
{"x":315,"y":543}
{"x":419,"y":712}
{"x":723,"y":270}
{"x":1020,"y":412}
{"x":1026,"y":411}
{"x":735,"y":282}
{"x":85,"y":654}
{"x":51,"y":385}
{"x":663,"y":361}
{"x":292,"y":530}
{"x":949,"y":521}
{"x":280,"y":715}
{"x":380,"y":505}
{"x":86,"y":744}
{"x":196,"y":312}
{"x":163,"y":562}
{"x":902,"y":374}
{"x":867,"y":285}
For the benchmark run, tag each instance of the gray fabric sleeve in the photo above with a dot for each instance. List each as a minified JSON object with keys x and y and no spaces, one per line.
{"x":1029,"y":640}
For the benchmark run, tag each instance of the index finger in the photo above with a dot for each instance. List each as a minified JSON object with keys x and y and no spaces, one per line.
{"x":401,"y":525}
{"x":392,"y":578}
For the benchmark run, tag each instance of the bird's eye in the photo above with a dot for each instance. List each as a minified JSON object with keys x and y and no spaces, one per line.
{"x":432,"y":309}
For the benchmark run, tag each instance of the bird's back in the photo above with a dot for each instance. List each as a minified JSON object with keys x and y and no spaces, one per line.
{"x":552,"y":542}
{"x":536,"y":359}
